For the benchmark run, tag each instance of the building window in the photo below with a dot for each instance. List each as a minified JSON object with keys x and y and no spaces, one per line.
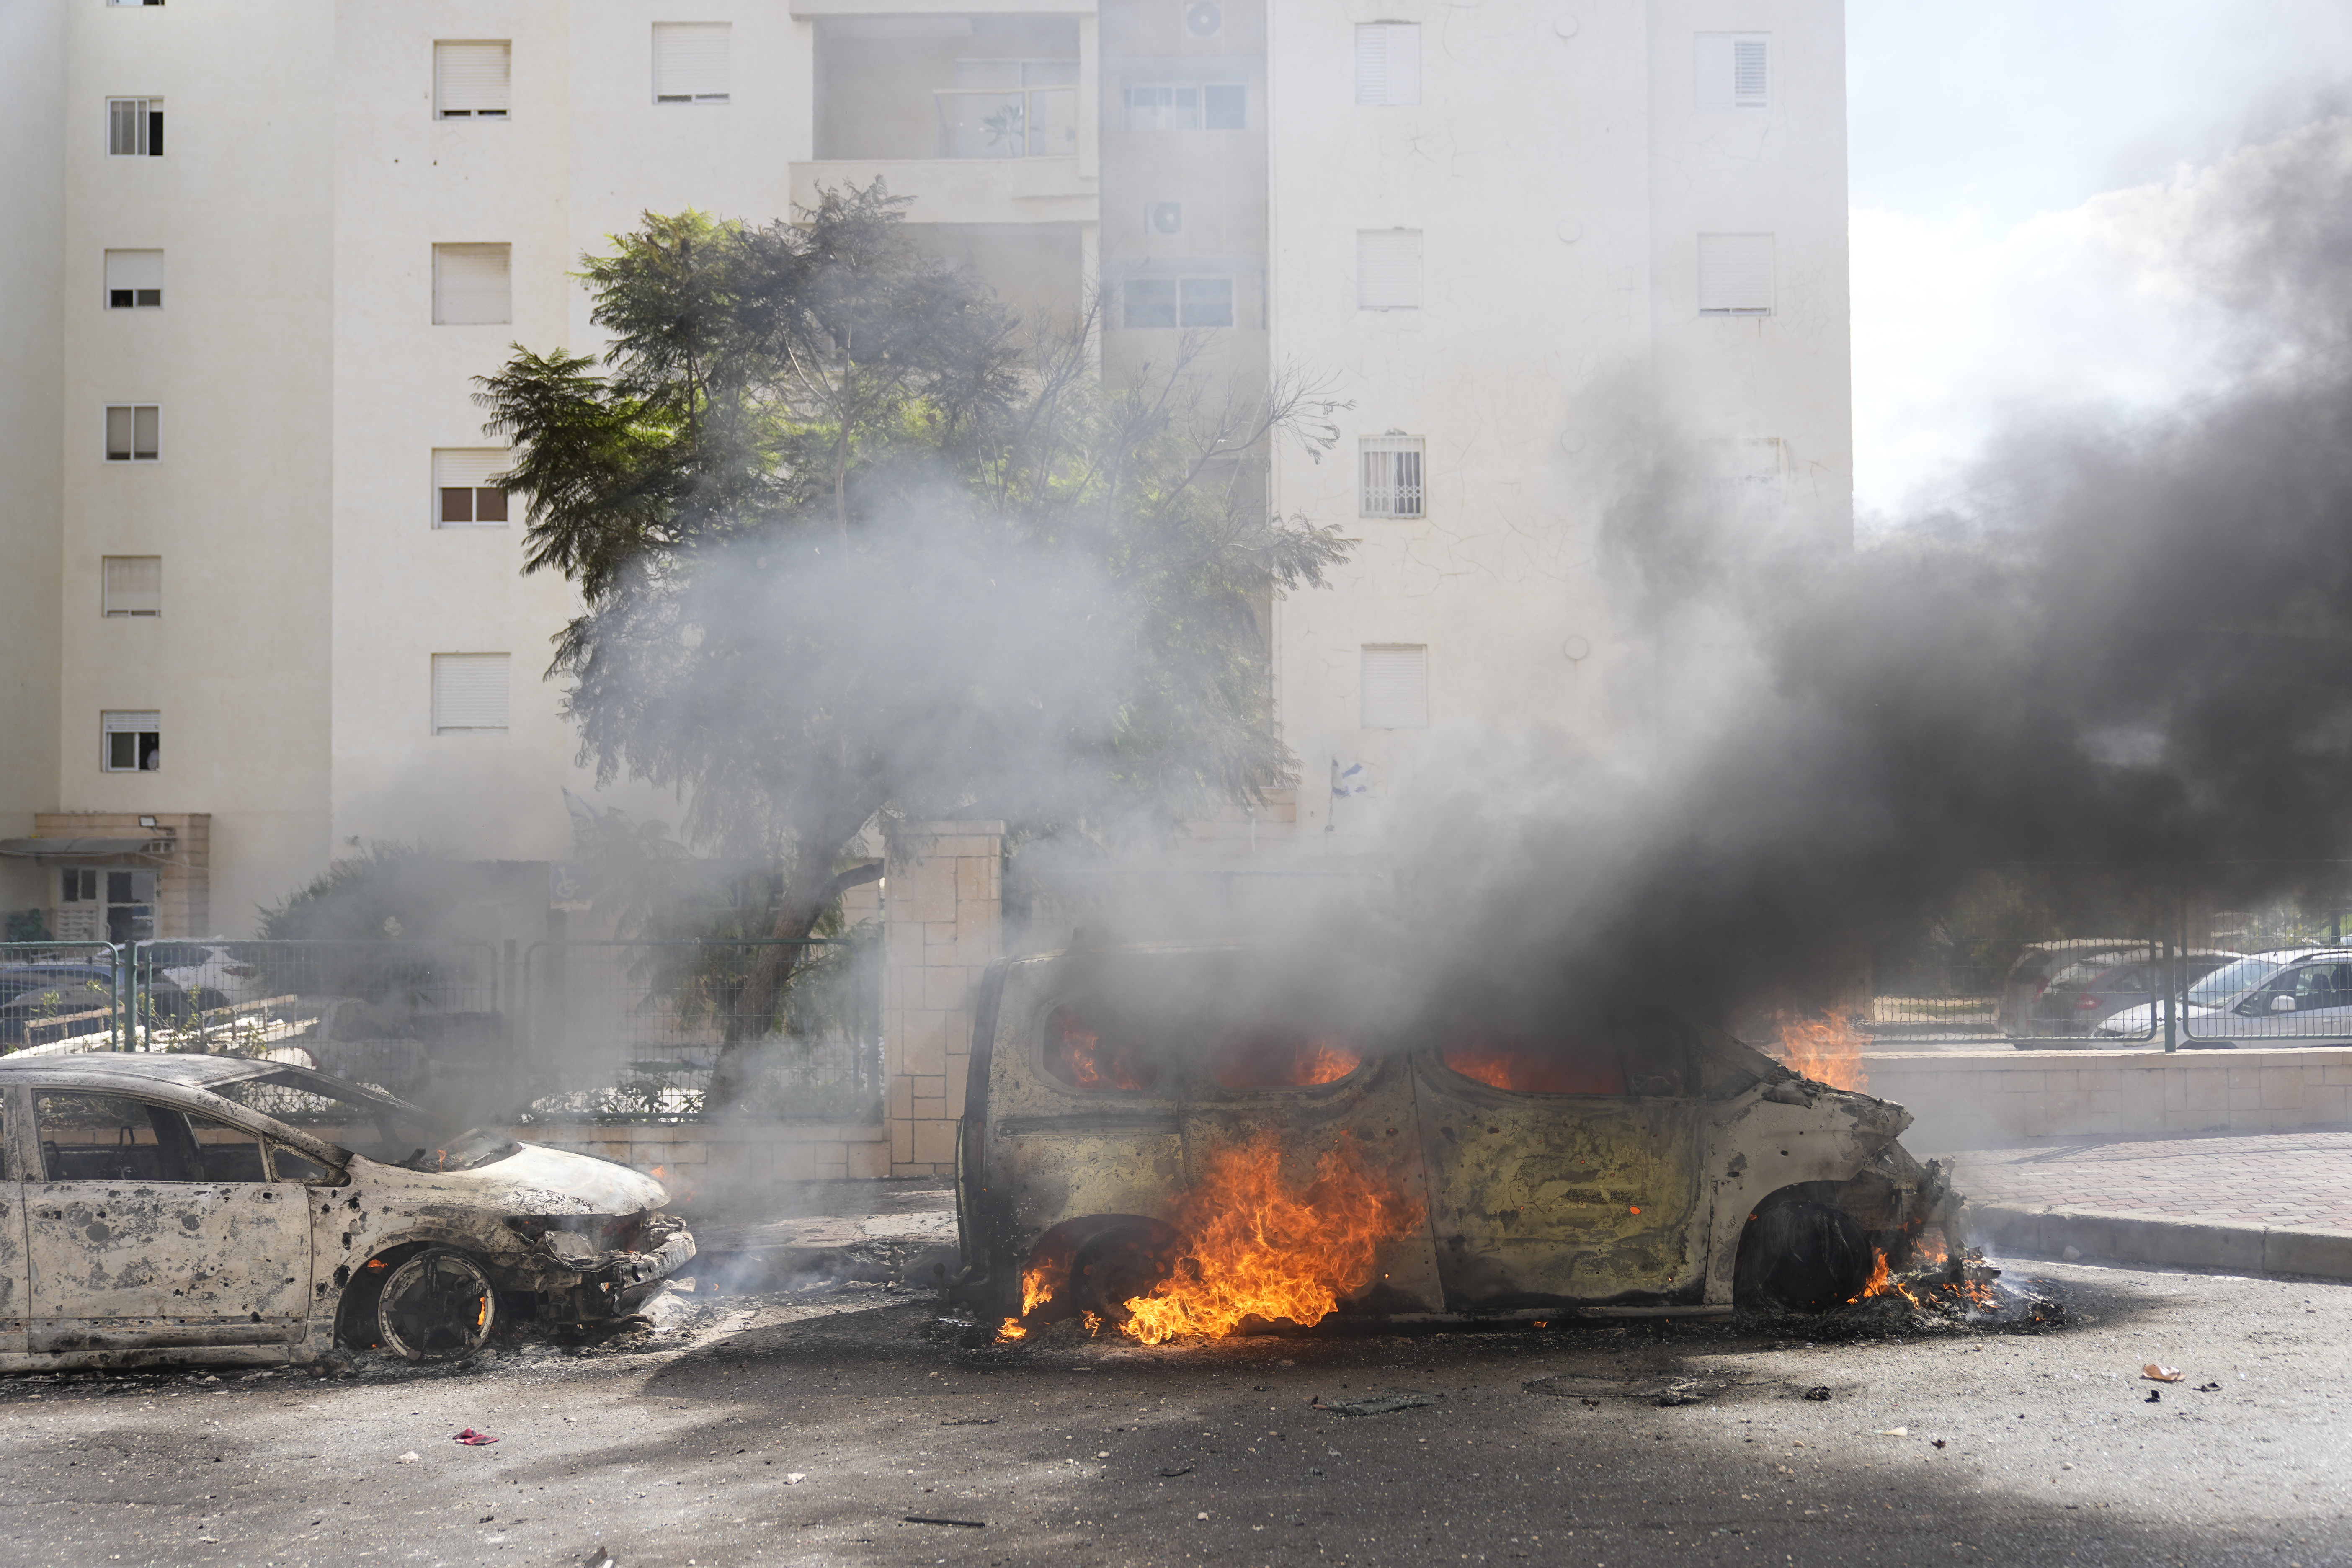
{"x":690,"y":64}
{"x":472,"y":81}
{"x":1201,"y":106}
{"x":472,"y":285}
{"x":1395,"y":690}
{"x":1391,"y":468}
{"x":120,"y":903}
{"x":134,"y":280}
{"x":134,"y":127}
{"x":1735,"y":275}
{"x":1179,"y":302}
{"x":1388,"y":269}
{"x":131,"y":584}
{"x":131,"y":743}
{"x":469,"y":694}
{"x":1388,"y":63}
{"x":463,"y":496}
{"x":132,"y":432}
{"x":135,"y":2}
{"x":1734,"y":71}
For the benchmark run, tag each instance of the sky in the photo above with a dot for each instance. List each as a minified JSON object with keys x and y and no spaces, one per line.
{"x":2012,"y":165}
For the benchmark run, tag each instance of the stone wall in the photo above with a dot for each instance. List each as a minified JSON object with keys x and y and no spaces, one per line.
{"x":942,"y":925}
{"x":1987,"y":1099}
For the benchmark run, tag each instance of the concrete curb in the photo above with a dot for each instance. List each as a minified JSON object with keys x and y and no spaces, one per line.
{"x":2135,"y":1238}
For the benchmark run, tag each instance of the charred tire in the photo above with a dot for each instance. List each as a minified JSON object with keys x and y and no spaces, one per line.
{"x":1801,"y":1256}
{"x":435,"y":1305}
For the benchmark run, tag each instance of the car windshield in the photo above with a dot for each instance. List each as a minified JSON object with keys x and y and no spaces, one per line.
{"x":2232,"y":978}
{"x":365,"y":1120}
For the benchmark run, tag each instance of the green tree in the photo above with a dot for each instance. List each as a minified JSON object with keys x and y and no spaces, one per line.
{"x":851,"y":540}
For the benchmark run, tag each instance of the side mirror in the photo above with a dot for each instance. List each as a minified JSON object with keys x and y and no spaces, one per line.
{"x":2282,"y":1003}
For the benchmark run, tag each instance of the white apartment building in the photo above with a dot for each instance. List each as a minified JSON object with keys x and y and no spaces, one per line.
{"x":261,"y":605}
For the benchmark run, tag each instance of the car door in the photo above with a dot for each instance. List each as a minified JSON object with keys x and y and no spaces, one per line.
{"x":2307,"y":1001}
{"x":15,"y":1291}
{"x":1562,"y":1169}
{"x":150,"y":1224}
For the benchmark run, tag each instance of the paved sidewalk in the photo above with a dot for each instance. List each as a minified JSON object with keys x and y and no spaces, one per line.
{"x":2271,"y":1203}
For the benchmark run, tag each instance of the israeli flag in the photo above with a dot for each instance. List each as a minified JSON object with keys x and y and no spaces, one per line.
{"x":1352,"y":780}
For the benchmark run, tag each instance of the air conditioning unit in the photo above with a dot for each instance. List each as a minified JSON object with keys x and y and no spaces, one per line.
{"x":1167,"y":217}
{"x":1204,"y":20}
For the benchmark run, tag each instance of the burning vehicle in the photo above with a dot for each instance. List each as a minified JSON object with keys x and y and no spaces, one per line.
{"x":218,"y":1210}
{"x":1157,"y":1143}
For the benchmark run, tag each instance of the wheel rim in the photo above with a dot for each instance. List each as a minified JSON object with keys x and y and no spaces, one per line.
{"x":435,"y":1306}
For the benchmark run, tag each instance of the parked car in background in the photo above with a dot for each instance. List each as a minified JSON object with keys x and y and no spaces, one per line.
{"x":2030,"y":972}
{"x":2088,"y":991}
{"x":211,"y":974}
{"x":35,"y":993}
{"x":2293,"y":995}
{"x":224,"y":1210}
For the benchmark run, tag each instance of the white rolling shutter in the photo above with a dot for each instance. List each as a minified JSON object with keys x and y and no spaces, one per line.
{"x":1733,"y":71}
{"x":690,"y":61}
{"x":1396,"y":685}
{"x":1388,"y":269}
{"x":138,"y":273}
{"x":471,"y":284}
{"x":472,"y":81}
{"x":1388,"y":63}
{"x":133,"y":586}
{"x":1735,"y":275}
{"x":469,"y":693}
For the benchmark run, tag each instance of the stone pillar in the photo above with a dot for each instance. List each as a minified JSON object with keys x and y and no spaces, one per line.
{"x":941,"y":914}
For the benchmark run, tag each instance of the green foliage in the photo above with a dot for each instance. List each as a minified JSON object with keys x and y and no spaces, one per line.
{"x":852,"y":540}
{"x":28,"y":925}
{"x":386,"y":891}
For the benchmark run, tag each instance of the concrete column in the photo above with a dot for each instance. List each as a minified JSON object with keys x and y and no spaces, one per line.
{"x":943,"y":913}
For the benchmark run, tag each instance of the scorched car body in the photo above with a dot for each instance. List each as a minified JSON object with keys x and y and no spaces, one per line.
{"x":1643,"y":1176}
{"x":152,"y":1209}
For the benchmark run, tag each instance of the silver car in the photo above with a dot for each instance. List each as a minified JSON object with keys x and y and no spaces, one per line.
{"x":2288,"y":996}
{"x":219,"y":1210}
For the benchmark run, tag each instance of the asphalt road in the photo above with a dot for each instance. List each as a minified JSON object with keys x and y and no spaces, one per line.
{"x":805,"y":1430}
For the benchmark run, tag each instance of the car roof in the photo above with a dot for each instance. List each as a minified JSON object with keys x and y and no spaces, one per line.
{"x":125,"y":1069}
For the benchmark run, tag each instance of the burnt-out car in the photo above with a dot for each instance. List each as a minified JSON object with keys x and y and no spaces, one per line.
{"x":220,"y":1209}
{"x":1123,"y":1104}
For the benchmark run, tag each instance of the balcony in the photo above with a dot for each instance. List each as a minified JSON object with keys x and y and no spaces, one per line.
{"x":981,"y":118}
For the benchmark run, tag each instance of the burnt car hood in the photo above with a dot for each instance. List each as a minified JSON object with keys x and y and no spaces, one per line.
{"x":534,"y":1180}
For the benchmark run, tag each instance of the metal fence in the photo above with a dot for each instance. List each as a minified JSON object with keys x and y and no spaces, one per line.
{"x":595,"y":1029}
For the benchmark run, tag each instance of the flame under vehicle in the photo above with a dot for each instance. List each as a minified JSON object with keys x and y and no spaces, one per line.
{"x":222,"y":1210}
{"x":1158,"y":1141}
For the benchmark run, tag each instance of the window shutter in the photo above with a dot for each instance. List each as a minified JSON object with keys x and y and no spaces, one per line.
{"x":132,"y":739}
{"x":1396,"y":687}
{"x":134,"y":584}
{"x":1735,"y":274}
{"x":469,"y":694}
{"x":690,"y":62}
{"x":472,"y":79}
{"x":470,"y":285}
{"x":462,"y":491}
{"x":137,"y":273}
{"x":1733,"y":70}
{"x":1388,"y":63}
{"x":1388,"y":269}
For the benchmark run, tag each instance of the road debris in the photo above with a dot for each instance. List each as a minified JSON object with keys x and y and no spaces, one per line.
{"x":1895,"y":1432}
{"x":961,"y":1523}
{"x":1818,"y":1394}
{"x":2156,"y":1374}
{"x":1372,"y":1405}
{"x":473,"y":1439}
{"x":410,"y":1458}
{"x":2154,"y":1397}
{"x":599,"y":1557}
{"x":2209,"y":1388}
{"x":1172,"y":1475}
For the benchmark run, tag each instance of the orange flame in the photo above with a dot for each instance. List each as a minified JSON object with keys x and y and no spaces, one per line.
{"x":1257,"y":1247}
{"x":1827,"y":1049}
{"x":1285,"y":1060}
{"x":1076,"y":1054}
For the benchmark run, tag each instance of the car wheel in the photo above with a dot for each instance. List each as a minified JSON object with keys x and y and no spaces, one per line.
{"x":435,"y":1305}
{"x":1802,"y":1256}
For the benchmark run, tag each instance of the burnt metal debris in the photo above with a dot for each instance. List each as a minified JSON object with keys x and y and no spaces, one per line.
{"x":1650,"y":1168}
{"x":230,"y":1210}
